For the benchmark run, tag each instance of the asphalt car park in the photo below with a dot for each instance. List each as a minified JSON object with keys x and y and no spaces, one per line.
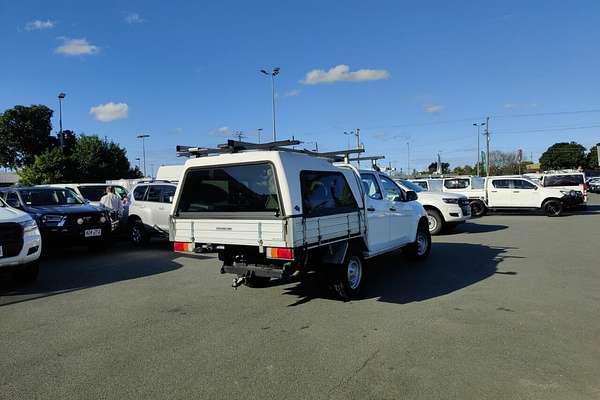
{"x":505,"y":307}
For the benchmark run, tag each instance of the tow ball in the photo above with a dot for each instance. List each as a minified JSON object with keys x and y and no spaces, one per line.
{"x":238,"y":282}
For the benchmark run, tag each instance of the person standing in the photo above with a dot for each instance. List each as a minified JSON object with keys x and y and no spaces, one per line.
{"x":112,"y":202}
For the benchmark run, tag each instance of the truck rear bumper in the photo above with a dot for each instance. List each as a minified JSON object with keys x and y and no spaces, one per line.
{"x":267,"y":271}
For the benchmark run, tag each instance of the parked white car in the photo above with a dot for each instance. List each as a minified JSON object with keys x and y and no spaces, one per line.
{"x":514,"y":192}
{"x":20,"y":243}
{"x":473,"y":187}
{"x":149,"y":209}
{"x":444,"y":210}
{"x":282,"y":212}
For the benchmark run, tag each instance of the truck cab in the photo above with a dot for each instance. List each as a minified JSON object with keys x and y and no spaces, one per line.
{"x":280,"y":212}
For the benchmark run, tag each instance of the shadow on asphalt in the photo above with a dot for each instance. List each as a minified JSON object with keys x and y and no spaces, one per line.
{"x":473,"y":227}
{"x":394,"y":279}
{"x":70,"y":269}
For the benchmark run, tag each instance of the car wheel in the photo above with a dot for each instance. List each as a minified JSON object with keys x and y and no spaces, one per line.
{"x":349,"y":277}
{"x":478,"y":208}
{"x":434,"y":221}
{"x":553,"y":208}
{"x":421,"y":247}
{"x":138,"y":234}
{"x":27,"y":273}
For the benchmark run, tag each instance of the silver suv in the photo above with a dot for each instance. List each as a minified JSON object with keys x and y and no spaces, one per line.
{"x":149,"y":208}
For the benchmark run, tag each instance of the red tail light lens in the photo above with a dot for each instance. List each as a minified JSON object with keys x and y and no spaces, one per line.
{"x":280,"y":253}
{"x":182,"y":246}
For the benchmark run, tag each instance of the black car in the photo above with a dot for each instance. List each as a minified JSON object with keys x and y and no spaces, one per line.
{"x":61,"y":215}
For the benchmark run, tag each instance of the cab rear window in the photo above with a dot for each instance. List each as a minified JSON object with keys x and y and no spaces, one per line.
{"x":325,"y":193}
{"x":248,"y":188}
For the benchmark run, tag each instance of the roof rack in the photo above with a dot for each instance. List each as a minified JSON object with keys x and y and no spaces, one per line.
{"x":235,"y":146}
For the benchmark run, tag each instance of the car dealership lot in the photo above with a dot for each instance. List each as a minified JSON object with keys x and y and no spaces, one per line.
{"x":505,"y":307}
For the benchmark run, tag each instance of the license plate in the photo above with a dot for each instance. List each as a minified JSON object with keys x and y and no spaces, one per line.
{"x":93,"y":232}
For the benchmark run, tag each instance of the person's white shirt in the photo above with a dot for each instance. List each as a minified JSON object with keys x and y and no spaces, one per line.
{"x":112,"y":202}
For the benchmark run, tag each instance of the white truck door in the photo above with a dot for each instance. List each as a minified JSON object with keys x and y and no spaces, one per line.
{"x":500,"y":193}
{"x":401,"y":213}
{"x":152,"y":206}
{"x":164,"y":208}
{"x":378,"y":221}
{"x":525,"y":194}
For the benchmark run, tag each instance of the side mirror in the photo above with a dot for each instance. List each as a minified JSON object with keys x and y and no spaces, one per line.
{"x":411,"y":195}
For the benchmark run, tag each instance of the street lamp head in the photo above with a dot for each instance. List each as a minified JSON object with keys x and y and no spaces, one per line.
{"x":276,"y":71}
{"x":141,"y":136}
{"x":264,"y":72}
{"x":61,"y":95}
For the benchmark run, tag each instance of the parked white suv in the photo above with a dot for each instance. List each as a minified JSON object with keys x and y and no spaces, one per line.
{"x":444,"y":210}
{"x":281,"y":212}
{"x":473,"y":187}
{"x":20,"y":243}
{"x":149,"y":208}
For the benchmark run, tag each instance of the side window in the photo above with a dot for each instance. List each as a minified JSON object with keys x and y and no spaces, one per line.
{"x":521,"y":184}
{"x":456,"y":183}
{"x":12,"y":200}
{"x":391,"y":191}
{"x":371,"y":186}
{"x":326,"y":193}
{"x":423,"y":184}
{"x":501,"y":183}
{"x":140,"y":192}
{"x":121,"y":192}
{"x":167,"y":193}
{"x":154,"y":193}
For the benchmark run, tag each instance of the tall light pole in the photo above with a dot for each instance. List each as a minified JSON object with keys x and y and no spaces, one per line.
{"x":273,"y":74}
{"x":143,"y":137}
{"x":259,"y":130}
{"x":408,"y":158}
{"x":479,"y":125}
{"x":61,"y":96}
{"x":487,"y":136}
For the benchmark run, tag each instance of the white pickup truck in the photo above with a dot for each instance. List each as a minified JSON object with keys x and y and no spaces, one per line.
{"x":282,"y":212}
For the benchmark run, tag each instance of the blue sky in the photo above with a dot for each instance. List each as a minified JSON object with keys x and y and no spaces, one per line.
{"x":418,"y":72}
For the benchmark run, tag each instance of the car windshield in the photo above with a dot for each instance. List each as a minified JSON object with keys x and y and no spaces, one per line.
{"x":49,"y":197}
{"x":411,"y":186}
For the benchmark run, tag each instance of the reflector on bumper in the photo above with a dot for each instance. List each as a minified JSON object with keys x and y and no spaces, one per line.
{"x":280,"y":253}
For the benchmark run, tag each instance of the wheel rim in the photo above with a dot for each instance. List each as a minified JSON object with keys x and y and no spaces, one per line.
{"x":432,"y":222}
{"x":553,"y":208}
{"x":475,"y":208}
{"x":136,"y":235}
{"x":422,"y":243}
{"x":354,"y":273}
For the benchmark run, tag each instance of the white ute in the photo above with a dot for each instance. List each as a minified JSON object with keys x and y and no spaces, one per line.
{"x":444,"y":210}
{"x":20,"y":243}
{"x":282,"y":212}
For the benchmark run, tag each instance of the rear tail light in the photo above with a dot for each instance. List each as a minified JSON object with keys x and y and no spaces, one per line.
{"x":183,"y":246}
{"x":280,"y":253}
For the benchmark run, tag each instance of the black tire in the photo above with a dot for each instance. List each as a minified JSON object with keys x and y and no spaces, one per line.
{"x":553,"y":208}
{"x":27,"y":273}
{"x":421,"y":247}
{"x":435,"y":221}
{"x":349,"y":277}
{"x":478,"y":208}
{"x":257,"y":281}
{"x":138,"y":234}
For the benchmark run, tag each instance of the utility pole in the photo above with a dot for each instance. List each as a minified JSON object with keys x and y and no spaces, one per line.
{"x":478,"y":125}
{"x":273,"y":74}
{"x":408,"y":158}
{"x":358,"y":144}
{"x":143,"y":137}
{"x":240,"y":135}
{"x":259,"y":130}
{"x":61,"y":96}
{"x":487,"y":137}
{"x":598,"y":153}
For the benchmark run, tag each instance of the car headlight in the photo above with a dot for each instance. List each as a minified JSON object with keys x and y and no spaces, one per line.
{"x":29,"y":226}
{"x":451,"y":201}
{"x":53,"y":220}
{"x":80,"y":221}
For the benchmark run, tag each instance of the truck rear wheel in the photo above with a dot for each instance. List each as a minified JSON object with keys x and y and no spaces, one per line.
{"x":553,"y":208}
{"x":349,"y":277}
{"x":138,"y":234}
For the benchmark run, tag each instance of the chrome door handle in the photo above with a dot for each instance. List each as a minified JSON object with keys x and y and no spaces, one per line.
{"x":370,"y":209}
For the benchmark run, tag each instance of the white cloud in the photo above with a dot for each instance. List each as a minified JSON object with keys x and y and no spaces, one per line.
{"x":434,"y":109}
{"x":39,"y":25}
{"x":342,"y":73}
{"x":177,"y":131}
{"x":76,"y":47}
{"x":134,"y":18}
{"x":110,"y":111}
{"x":223,"y":130}
{"x":510,"y":106}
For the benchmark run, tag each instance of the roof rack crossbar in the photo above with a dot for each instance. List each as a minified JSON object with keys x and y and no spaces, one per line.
{"x":372,"y":158}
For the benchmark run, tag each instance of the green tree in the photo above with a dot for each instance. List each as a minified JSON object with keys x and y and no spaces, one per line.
{"x":592,"y":157}
{"x":433,"y":167}
{"x":97,"y":160}
{"x":24,"y":133}
{"x":563,"y":156}
{"x":51,"y":166}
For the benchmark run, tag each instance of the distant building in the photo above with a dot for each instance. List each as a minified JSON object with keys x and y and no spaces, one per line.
{"x":532,"y":168}
{"x":8,"y":178}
